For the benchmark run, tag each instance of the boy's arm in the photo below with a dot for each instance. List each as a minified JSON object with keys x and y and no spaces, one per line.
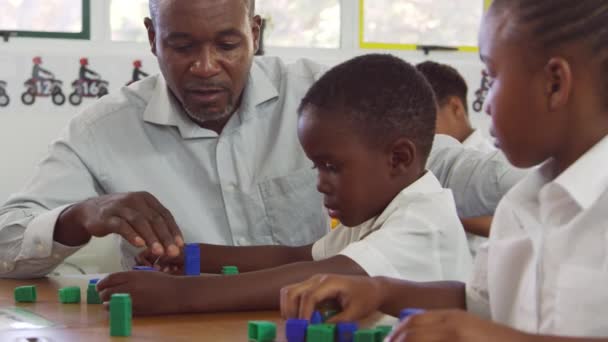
{"x":251,"y":258}
{"x":257,"y":290}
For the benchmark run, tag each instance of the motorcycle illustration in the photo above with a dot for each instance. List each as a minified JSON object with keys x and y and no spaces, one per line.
{"x":87,"y":88}
{"x":43,"y":88}
{"x":482,"y":92}
{"x":4,"y":99}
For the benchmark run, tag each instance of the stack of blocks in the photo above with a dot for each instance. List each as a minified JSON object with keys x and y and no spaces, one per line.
{"x":69,"y":295}
{"x":230,"y":270}
{"x":120,"y":315}
{"x":25,"y":294}
{"x":261,"y":331}
{"x":92,"y":294}
{"x":192,"y":259}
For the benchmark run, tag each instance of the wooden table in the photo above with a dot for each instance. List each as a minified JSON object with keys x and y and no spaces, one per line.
{"x":83,"y":322}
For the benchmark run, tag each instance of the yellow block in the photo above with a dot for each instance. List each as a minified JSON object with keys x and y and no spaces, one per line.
{"x":334,"y":223}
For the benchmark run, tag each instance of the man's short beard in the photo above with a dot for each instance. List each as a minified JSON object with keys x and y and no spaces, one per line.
{"x":201,"y":115}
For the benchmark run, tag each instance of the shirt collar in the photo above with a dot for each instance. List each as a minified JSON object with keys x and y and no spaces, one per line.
{"x":164,"y":109}
{"x":586,"y":180}
{"x":426,"y":184}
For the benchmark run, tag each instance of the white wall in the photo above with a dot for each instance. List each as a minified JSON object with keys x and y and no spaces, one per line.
{"x":26,"y":131}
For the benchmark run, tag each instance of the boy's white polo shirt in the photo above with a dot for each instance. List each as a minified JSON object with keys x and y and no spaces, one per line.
{"x":545,"y":269}
{"x":417,"y":237}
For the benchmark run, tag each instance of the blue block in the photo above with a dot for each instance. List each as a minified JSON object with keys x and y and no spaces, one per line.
{"x":192,"y":259}
{"x":405,"y":313}
{"x":295,"y":330}
{"x":346,"y":331}
{"x":316,"y":318}
{"x":93,"y":281}
{"x":143,"y":268}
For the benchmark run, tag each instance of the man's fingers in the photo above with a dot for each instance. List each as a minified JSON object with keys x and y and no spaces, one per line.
{"x":169,"y":220}
{"x":121,"y":227}
{"x":138,"y":220}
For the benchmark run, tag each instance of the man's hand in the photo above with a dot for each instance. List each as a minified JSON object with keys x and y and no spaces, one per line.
{"x":166,"y":264}
{"x":136,"y":216}
{"x":453,"y":326}
{"x":358,"y":296}
{"x":152,"y":293}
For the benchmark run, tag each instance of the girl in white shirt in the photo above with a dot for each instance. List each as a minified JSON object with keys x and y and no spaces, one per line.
{"x":543,"y":275}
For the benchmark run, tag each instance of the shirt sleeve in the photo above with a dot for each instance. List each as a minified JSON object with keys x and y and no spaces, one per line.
{"x":27,"y":220}
{"x":407,"y":246}
{"x":477,"y":297}
{"x":478,"y":180}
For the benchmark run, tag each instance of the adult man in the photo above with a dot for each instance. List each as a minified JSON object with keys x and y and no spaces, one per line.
{"x":212,"y":144}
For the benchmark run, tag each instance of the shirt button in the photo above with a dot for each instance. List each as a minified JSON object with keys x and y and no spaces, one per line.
{"x":56,"y":256}
{"x":241,"y":241}
{"x":40,"y":247}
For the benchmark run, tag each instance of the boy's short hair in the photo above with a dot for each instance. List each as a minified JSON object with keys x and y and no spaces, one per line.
{"x":445,"y":81}
{"x":383,"y":96}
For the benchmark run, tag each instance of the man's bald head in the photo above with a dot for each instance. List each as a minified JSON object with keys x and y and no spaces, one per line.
{"x":154,"y":5}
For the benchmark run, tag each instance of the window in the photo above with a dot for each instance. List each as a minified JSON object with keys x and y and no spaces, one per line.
{"x":46,"y":18}
{"x":408,"y":23}
{"x":312,"y":23}
{"x":127,"y":20}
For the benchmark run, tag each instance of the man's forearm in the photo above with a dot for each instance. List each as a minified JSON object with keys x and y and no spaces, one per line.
{"x":400,"y":294}
{"x":253,"y":258}
{"x":255,"y":290}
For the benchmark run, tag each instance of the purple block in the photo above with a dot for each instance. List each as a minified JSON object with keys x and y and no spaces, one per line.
{"x":295,"y":330}
{"x":405,"y":313}
{"x":346,"y":331}
{"x":316,"y":318}
{"x":143,"y":268}
{"x":192,"y":259}
{"x":93,"y":281}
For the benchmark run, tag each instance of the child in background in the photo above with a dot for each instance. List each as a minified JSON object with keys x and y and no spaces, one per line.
{"x":450,"y":90}
{"x":367,"y":125}
{"x":545,"y":269}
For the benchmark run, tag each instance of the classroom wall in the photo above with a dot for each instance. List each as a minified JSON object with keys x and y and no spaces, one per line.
{"x":26,"y":131}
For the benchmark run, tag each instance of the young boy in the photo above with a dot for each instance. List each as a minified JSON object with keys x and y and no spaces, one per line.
{"x":545,"y":270}
{"x":451,"y":89}
{"x":368,"y":126}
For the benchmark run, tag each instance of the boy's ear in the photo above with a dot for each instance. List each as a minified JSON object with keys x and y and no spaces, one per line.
{"x":456,"y":107}
{"x":558,"y":75}
{"x":402,"y":156}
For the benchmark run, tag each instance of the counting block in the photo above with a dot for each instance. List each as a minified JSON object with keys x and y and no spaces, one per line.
{"x":295,"y":330}
{"x":366,"y":335}
{"x":316,"y":318}
{"x":25,"y":294}
{"x":321,"y":333}
{"x":382,"y":331}
{"x":121,"y":314}
{"x":405,"y":313}
{"x":346,"y":331}
{"x":143,"y":268}
{"x":92,"y":294}
{"x":69,"y":295}
{"x":230,"y":270}
{"x":192,"y":259}
{"x":261,"y":331}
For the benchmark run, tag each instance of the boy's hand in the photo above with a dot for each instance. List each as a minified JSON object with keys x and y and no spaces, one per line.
{"x":166,"y":264}
{"x":152,"y":293}
{"x":358,"y":296}
{"x":452,"y":326}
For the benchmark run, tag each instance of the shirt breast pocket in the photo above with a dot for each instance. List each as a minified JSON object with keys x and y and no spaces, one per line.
{"x":294,"y":209}
{"x":581,"y":302}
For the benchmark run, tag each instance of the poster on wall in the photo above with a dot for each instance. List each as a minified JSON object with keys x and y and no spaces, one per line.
{"x":4,"y":98}
{"x":138,"y":74}
{"x":43,"y":83}
{"x":88,"y":85}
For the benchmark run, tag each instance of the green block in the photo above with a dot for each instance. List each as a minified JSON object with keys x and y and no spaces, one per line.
{"x":25,"y":294}
{"x":93,"y":295}
{"x":121,"y":314}
{"x":230,"y":270}
{"x":382,"y":331}
{"x":321,"y":333}
{"x":261,"y":331}
{"x":366,"y":335}
{"x":69,"y":295}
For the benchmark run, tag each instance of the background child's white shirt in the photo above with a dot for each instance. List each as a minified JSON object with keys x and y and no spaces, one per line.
{"x":417,"y":237}
{"x":545,"y":269}
{"x":478,"y":142}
